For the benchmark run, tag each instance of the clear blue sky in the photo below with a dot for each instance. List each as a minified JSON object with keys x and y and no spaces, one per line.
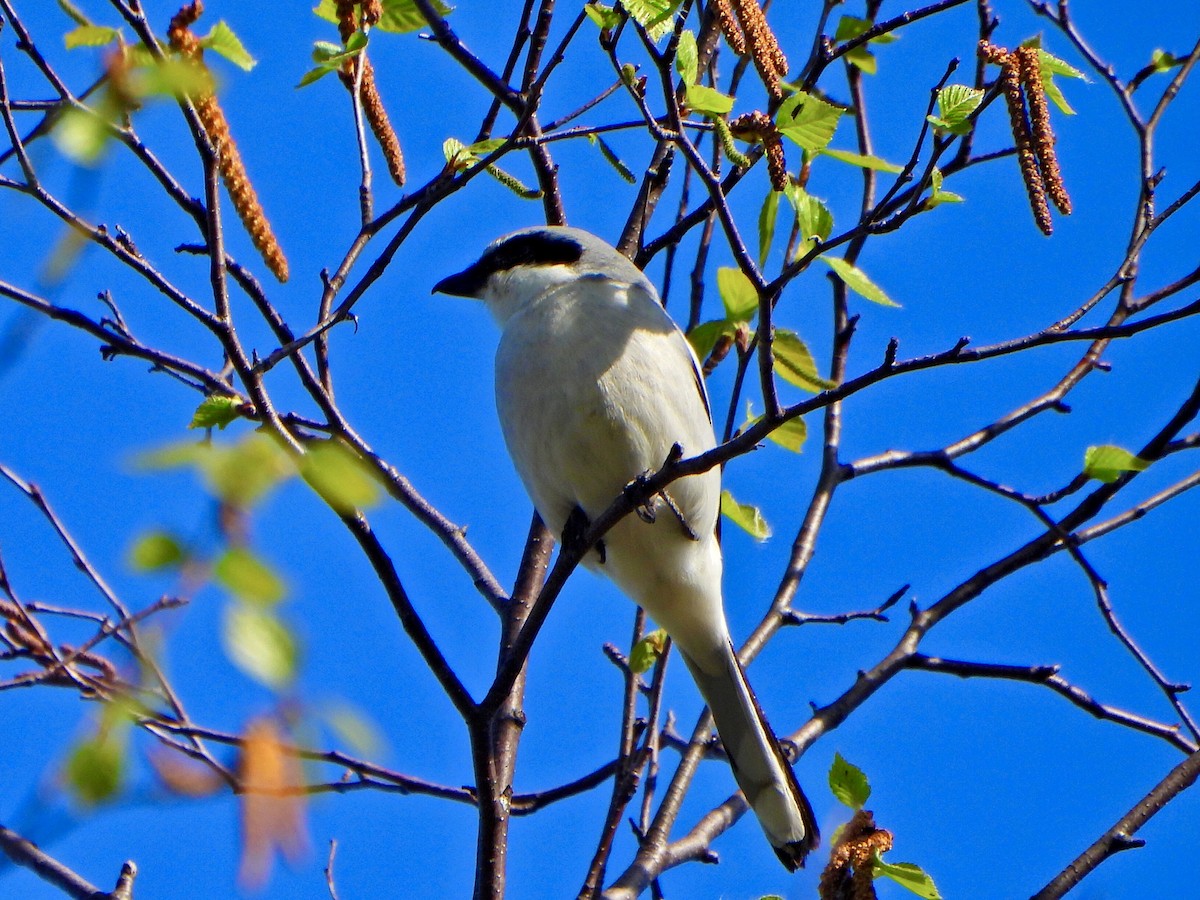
{"x":991,"y":786}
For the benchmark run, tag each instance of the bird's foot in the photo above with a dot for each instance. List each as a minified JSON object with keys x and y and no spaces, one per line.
{"x":574,"y":536}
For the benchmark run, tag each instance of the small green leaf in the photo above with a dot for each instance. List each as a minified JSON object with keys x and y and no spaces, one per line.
{"x":862,"y":58}
{"x":95,"y":768}
{"x":260,"y":645}
{"x":90,"y":36}
{"x":743,"y":515}
{"x":737,"y":294}
{"x":850,"y":27}
{"x":790,"y":435}
{"x":223,"y":41}
{"x":812,"y":216}
{"x":955,"y":103}
{"x":339,"y":476}
{"x":81,"y":136}
{"x":767,"y":217}
{"x":705,"y":336}
{"x":645,"y":653}
{"x":706,"y":100}
{"x":863,"y":160}
{"x":243,"y":473}
{"x":653,"y":15}
{"x":173,"y":77}
{"x":795,"y":364}
{"x":856,"y":279}
{"x":248,"y":578}
{"x":353,"y":727}
{"x":604,"y":16}
{"x":687,"y":57}
{"x":155,"y":551}
{"x":848,"y":783}
{"x":808,"y":120}
{"x":1108,"y":462}
{"x":329,"y":57}
{"x":399,"y":16}
{"x":907,"y":875}
{"x":216,"y":411}
{"x":1162,"y":61}
{"x":936,"y":195}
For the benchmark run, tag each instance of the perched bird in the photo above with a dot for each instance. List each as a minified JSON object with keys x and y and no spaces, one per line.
{"x":595,"y":384}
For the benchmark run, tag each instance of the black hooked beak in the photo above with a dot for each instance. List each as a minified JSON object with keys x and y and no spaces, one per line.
{"x":467,"y":283}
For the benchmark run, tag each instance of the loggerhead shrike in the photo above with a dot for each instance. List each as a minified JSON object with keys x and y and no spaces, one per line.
{"x":595,"y":384}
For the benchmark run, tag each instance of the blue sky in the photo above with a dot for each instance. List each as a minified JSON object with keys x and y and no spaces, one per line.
{"x":991,"y":786}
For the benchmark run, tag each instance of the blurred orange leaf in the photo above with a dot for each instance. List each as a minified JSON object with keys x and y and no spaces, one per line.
{"x":272,"y":802}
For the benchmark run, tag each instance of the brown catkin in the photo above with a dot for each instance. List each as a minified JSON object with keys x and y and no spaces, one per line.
{"x":1043,"y":135}
{"x":759,"y":126}
{"x":1010,"y":84}
{"x":229,"y":160}
{"x":862,"y":884}
{"x":729,"y":26}
{"x":372,"y":103}
{"x":764,"y":49}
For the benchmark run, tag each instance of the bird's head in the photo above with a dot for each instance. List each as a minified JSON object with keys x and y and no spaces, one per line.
{"x":520,"y":267}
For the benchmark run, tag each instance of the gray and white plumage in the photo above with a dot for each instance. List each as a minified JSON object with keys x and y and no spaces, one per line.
{"x":594,"y":385}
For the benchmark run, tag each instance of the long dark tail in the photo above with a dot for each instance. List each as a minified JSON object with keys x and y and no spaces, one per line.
{"x":762,"y":771}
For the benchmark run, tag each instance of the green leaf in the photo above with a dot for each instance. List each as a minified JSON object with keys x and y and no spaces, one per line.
{"x":1162,"y":61}
{"x":243,"y":473}
{"x":354,"y":728}
{"x":848,"y":783}
{"x":615,"y":161}
{"x":850,"y":27}
{"x":173,"y":77}
{"x":862,"y":58}
{"x":808,"y":120}
{"x":654,"y":15}
{"x":260,"y":645}
{"x":795,"y":364}
{"x":223,"y":41}
{"x":907,"y":875}
{"x":90,"y":36}
{"x":791,"y":435}
{"x":95,"y":768}
{"x":955,"y":103}
{"x":856,"y":279}
{"x":737,"y":294}
{"x":1049,"y":66}
{"x":863,"y":160}
{"x":604,"y":16}
{"x":687,"y":57}
{"x":744,"y":516}
{"x":329,"y":57}
{"x":155,"y":551}
{"x":937,"y":195}
{"x":645,"y":653}
{"x":706,"y":100}
{"x":216,"y":411}
{"x":812,"y":216}
{"x":1108,"y":462}
{"x":248,"y":578}
{"x":339,"y":476}
{"x":81,"y":136}
{"x":705,"y":336}
{"x":399,"y":16}
{"x":767,"y":217}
